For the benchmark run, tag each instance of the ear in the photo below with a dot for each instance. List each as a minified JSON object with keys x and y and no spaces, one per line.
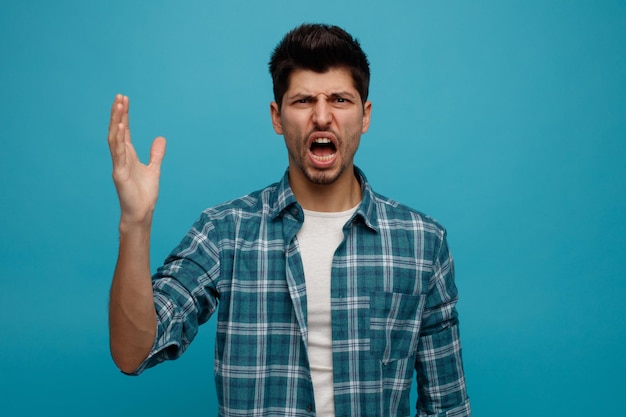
{"x":276,"y":120}
{"x":367,"y":111}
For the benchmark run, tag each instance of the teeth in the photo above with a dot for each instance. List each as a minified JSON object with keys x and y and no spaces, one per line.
{"x":324,"y":158}
{"x":322,"y":140}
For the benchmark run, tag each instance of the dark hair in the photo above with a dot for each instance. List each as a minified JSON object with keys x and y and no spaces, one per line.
{"x":318,"y":47}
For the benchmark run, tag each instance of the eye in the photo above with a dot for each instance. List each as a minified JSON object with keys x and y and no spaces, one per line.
{"x":341,"y":101}
{"x":302,"y":101}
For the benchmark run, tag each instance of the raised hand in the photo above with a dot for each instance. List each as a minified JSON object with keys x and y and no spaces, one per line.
{"x":137,"y":184}
{"x":132,"y":318}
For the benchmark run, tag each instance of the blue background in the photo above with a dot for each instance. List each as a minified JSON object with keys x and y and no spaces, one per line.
{"x":504,"y":120}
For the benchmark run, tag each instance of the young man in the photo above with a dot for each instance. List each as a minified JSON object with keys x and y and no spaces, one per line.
{"x":329,"y":297}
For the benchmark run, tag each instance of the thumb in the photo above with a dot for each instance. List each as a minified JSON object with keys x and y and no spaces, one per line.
{"x":157,"y":152}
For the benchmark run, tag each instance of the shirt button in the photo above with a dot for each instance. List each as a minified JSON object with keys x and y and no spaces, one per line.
{"x":309,"y":408}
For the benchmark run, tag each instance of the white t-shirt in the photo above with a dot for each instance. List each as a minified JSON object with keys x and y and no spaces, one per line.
{"x":318,"y":239}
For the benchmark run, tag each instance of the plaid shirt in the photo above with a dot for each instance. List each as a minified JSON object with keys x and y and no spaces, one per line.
{"x":392,"y":307}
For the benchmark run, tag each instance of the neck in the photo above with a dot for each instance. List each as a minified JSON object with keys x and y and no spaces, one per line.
{"x":341,"y":195}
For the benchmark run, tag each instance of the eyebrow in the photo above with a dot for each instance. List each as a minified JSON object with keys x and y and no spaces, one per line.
{"x":337,"y":94}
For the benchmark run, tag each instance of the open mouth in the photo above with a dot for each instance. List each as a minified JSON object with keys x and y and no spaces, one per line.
{"x":323,"y":149}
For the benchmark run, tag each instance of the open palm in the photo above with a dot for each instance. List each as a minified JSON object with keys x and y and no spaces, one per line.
{"x":137,"y":184}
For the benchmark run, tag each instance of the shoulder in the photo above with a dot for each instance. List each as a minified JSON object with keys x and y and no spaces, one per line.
{"x":256,"y":203}
{"x":241,"y":219}
{"x":391,"y":213}
{"x":386,"y":213}
{"x":243,"y":215}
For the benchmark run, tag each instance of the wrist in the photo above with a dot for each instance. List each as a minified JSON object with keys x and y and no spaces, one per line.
{"x":130,"y":225}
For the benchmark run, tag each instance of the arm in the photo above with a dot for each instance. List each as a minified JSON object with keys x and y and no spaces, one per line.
{"x":132,"y":317}
{"x":439,"y":365}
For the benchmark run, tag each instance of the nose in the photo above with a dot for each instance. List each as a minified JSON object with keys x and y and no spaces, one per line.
{"x":322,"y":112}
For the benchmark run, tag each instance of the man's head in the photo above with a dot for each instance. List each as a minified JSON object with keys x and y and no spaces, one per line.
{"x":318,"y":48}
{"x":321,"y":81}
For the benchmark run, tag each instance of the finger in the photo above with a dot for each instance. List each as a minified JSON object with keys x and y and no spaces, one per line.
{"x":118,"y":148}
{"x":125,"y":109}
{"x":126,"y":118}
{"x":157,"y":153}
{"x":116,"y":118}
{"x":115,"y":138}
{"x":116,"y":100}
{"x":115,"y":112}
{"x":119,"y":134}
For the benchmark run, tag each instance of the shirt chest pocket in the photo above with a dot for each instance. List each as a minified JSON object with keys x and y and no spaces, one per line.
{"x":395,"y":321}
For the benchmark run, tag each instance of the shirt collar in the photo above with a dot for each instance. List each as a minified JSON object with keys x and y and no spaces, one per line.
{"x":367,"y":210}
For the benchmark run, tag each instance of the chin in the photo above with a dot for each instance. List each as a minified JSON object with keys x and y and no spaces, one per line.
{"x":322,"y":177}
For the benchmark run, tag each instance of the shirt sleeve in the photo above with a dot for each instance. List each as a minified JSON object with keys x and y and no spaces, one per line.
{"x":440,"y":376}
{"x":185,"y":293}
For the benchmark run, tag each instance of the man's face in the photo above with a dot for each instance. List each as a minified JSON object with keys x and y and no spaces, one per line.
{"x":322,"y":119}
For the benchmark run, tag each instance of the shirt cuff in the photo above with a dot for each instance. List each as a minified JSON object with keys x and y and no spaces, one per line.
{"x":157,"y":354}
{"x":461,"y":410}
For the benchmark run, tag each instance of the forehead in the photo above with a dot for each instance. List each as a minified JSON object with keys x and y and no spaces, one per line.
{"x":335,"y":80}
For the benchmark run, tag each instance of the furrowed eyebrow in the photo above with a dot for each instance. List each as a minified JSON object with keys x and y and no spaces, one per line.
{"x":343,"y":94}
{"x":300,"y":96}
{"x":336,"y":95}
